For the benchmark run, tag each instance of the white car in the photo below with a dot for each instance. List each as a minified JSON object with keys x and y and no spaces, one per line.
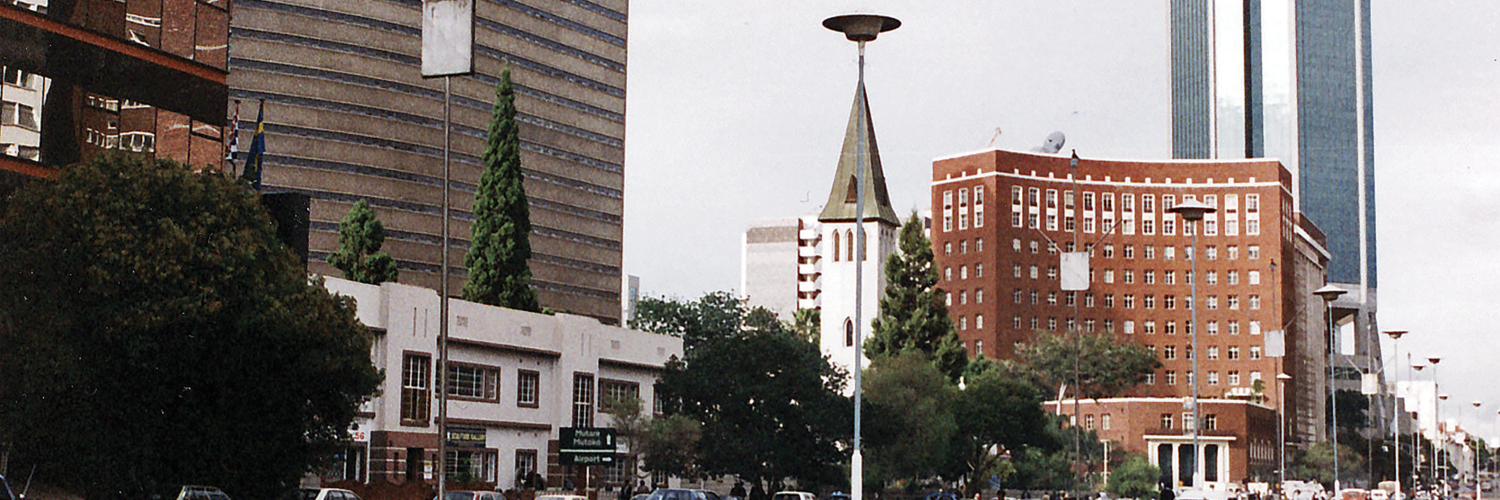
{"x":325,"y":494}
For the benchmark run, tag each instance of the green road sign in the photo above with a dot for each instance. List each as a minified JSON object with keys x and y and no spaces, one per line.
{"x":586,"y":446}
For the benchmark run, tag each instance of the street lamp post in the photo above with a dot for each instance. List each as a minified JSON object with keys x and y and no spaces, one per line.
{"x":859,"y":28}
{"x":1193,"y":211}
{"x":1329,"y":293}
{"x":1416,"y":447}
{"x":1395,"y":336}
{"x":1437,"y":420}
{"x":1281,"y":379}
{"x":1478,"y":493}
{"x":1442,"y":445}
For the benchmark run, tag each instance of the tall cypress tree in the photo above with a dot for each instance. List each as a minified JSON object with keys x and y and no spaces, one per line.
{"x":360,"y":237}
{"x":913,"y":312}
{"x":499,"y":249}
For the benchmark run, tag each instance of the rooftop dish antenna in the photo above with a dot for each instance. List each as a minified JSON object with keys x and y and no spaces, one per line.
{"x":1053,"y":144}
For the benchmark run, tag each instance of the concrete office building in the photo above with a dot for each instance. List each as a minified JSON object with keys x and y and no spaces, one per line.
{"x":514,"y":379}
{"x":781,"y":266}
{"x":1292,"y":80}
{"x":87,"y":76}
{"x":349,"y":117}
{"x":1001,"y":218}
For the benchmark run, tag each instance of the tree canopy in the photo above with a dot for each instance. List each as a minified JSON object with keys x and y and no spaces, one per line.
{"x":499,"y":244}
{"x":153,"y":330}
{"x":769,"y":402}
{"x":913,"y":310}
{"x":1107,"y":366}
{"x":911,"y":421}
{"x":995,"y":410}
{"x":360,"y":237}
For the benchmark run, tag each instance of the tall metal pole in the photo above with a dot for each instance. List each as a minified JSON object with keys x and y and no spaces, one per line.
{"x":1329,"y":293}
{"x":859,"y":28}
{"x":1438,"y":478}
{"x":442,"y":374}
{"x":1077,"y":340}
{"x":1197,"y":419}
{"x":1281,"y":379}
{"x":1193,"y":211}
{"x":857,"y":480}
{"x":1396,"y":415}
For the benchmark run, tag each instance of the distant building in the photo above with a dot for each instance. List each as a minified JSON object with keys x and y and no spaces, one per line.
{"x":349,"y":117}
{"x":514,"y":378}
{"x":781,"y":268}
{"x":1001,"y":219}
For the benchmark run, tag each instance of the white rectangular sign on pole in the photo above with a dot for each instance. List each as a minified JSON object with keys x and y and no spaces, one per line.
{"x":1275,"y":343}
{"x":1075,"y":271}
{"x":447,"y":37}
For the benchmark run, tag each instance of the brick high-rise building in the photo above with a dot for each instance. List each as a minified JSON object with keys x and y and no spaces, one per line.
{"x":1001,"y":219}
{"x":86,"y":76}
{"x":349,"y":117}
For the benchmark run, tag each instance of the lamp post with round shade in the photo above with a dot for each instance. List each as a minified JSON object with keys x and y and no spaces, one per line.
{"x":1329,"y":293}
{"x":1395,"y":336}
{"x":1193,"y":211}
{"x":1478,"y":493}
{"x":1416,"y":447}
{"x":1437,"y":419}
{"x":859,"y":28}
{"x":1442,"y":446}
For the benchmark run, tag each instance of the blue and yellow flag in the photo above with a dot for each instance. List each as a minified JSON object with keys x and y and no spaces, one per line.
{"x":257,"y":149}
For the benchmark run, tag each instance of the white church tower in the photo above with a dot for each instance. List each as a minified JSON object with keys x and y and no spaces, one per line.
{"x":840,"y":235}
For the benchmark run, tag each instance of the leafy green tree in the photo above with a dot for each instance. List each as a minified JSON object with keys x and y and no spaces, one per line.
{"x":360,"y":237}
{"x":665,"y":444}
{"x":1352,"y":408}
{"x":714,"y":316}
{"x":994,"y":410}
{"x":913,"y":310}
{"x":499,"y":245}
{"x":1107,"y":366}
{"x":1316,"y":463}
{"x":770,"y":403}
{"x":913,"y":421}
{"x":808,"y":324}
{"x":154,"y":330}
{"x":1136,"y":478}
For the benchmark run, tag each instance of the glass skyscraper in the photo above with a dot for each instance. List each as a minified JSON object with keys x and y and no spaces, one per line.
{"x":1288,"y":80}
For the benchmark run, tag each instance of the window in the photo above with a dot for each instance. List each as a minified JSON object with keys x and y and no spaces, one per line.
{"x":979,"y":325}
{"x":1015,"y":195}
{"x":17,"y":77}
{"x":1213,"y":378}
{"x":1016,"y":297}
{"x":1149,"y":302}
{"x":1234,"y":302}
{"x":1109,"y":202}
{"x":1187,"y":417}
{"x":1150,"y":379}
{"x":1169,"y":301}
{"x":1033,"y":272}
{"x":1052,"y":323}
{"x":1051,"y":298}
{"x":1015,"y":322}
{"x":583,"y":400}
{"x":1034,"y":246}
{"x":1233,"y":278}
{"x":1149,"y":327}
{"x":978,"y":270}
{"x":1130,"y":251}
{"x":1109,"y":300}
{"x":1149,"y":277}
{"x":1234,"y":353}
{"x":1210,"y":422}
{"x":1169,"y":277}
{"x":1127,"y":202}
{"x":525,"y":463}
{"x":1148,"y":203}
{"x":1033,"y":297}
{"x":1232,"y":251}
{"x":1171,"y":328}
{"x":1052,"y":273}
{"x":1255,"y":352}
{"x":18,"y":114}
{"x":416,"y":374}
{"x":979,"y":347}
{"x":963,"y":246}
{"x":612,"y":393}
{"x":979,"y":244}
{"x":1254,"y":302}
{"x":1253,"y":277}
{"x":1088,"y":422}
{"x":979,"y":296}
{"x":963,"y":297}
{"x":477,"y":464}
{"x":1213,"y":352}
{"x":1104,"y":422}
{"x":1129,"y":301}
{"x":473,"y":382}
{"x":1213,"y":302}
{"x":1234,"y":378}
{"x":1109,"y":275}
{"x":1171,"y":377}
{"x":528,"y":388}
{"x":948,"y":248}
{"x":1088,"y":299}
{"x":1213,"y":328}
{"x":1169,"y":352}
{"x":1252,"y":252}
{"x":1166,"y":420}
{"x":1252,"y":203}
{"x":1033,"y":322}
{"x":963,"y":272}
{"x":1109,"y":251}
{"x":1252,"y":227}
{"x":1051,"y":198}
{"x":1129,"y":327}
{"x":1212,"y":278}
{"x":947,"y":274}
{"x":1234,"y":328}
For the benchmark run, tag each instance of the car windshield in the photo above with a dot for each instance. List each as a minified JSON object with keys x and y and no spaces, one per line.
{"x":307,"y":494}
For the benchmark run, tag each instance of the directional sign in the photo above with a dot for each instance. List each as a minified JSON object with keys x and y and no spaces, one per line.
{"x":586,"y":446}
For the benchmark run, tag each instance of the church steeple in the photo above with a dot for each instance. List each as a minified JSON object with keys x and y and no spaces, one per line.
{"x":859,"y":152}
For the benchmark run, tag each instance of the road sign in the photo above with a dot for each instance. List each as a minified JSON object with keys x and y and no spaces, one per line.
{"x":586,"y":446}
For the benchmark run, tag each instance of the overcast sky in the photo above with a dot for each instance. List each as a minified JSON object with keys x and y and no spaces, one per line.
{"x":736,"y":112}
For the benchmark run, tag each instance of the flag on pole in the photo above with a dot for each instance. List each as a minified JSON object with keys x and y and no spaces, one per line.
{"x":257,"y":149}
{"x":234,"y":133}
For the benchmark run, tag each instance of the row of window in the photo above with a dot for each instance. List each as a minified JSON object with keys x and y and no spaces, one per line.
{"x":1127,"y":276}
{"x":1210,"y":422}
{"x":482,"y":383}
{"x":1127,"y":200}
{"x":1128,"y":301}
{"x":1167,"y":252}
{"x":1169,"y":352}
{"x":17,"y":78}
{"x":18,"y":114}
{"x":1128,"y":327}
{"x":1212,"y":377}
{"x":1127,"y":227}
{"x":963,"y":246}
{"x":963,"y":211}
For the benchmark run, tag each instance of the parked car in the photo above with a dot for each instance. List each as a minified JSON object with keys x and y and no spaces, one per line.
{"x":472,"y":495}
{"x":683,"y":494}
{"x":793,"y":495}
{"x":325,"y":494}
{"x":558,"y":496}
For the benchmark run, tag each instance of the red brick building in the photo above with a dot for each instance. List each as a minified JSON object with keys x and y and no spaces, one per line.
{"x":1001,"y":220}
